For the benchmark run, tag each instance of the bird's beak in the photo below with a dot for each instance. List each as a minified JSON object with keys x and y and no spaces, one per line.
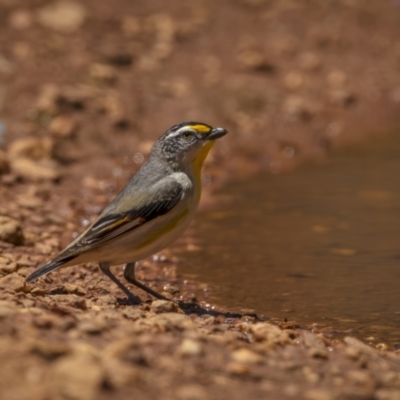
{"x":216,"y":133}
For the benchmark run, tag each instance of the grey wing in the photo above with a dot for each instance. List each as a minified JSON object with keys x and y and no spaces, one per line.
{"x":159,"y":200}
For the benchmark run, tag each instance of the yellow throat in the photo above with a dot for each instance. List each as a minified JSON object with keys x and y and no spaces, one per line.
{"x":199,"y":160}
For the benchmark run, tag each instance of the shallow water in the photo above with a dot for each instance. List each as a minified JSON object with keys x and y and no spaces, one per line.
{"x":318,"y":245}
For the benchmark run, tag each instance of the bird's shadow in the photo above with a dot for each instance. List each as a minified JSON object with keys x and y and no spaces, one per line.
{"x":194,"y":308}
{"x":190,"y":308}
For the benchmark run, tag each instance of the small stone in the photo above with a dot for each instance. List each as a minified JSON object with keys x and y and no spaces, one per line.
{"x":107,"y":300}
{"x":103,"y":73}
{"x":92,"y":326}
{"x":190,"y":347}
{"x":382,"y":347}
{"x":77,"y":377}
{"x":47,"y":100}
{"x":14,"y":282}
{"x":62,"y":16}
{"x":6,"y":269}
{"x":11,"y":231}
{"x":264,"y":331}
{"x":37,"y":291}
{"x":293,"y":81}
{"x":43,"y":248}
{"x":238,"y":368}
{"x":62,"y":127}
{"x":28,"y":201}
{"x":164,"y":322}
{"x":133,"y":313}
{"x":31,"y":148}
{"x":254,"y":60}
{"x":315,"y":352}
{"x":163,"y":306}
{"x":75,"y":289}
{"x":247,"y":356}
{"x":71,"y":300}
{"x":35,"y":171}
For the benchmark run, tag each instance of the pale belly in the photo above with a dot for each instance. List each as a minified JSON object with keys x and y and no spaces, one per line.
{"x":142,"y":241}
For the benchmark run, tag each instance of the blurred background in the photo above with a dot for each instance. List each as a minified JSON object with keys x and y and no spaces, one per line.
{"x":87,"y":86}
{"x":289,"y":78}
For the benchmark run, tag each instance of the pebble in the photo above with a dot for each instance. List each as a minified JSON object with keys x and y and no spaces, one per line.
{"x":247,"y":356}
{"x":190,"y":347}
{"x":47,"y":99}
{"x":14,"y":282}
{"x":163,"y":306}
{"x":92,"y":326}
{"x":35,"y":172}
{"x":293,"y":81}
{"x":71,"y":300}
{"x":269,"y":333}
{"x":62,"y":126}
{"x":31,"y":148}
{"x":133,"y":313}
{"x":103,"y":73}
{"x":62,"y":16}
{"x":11,"y":231}
{"x":6,"y":269}
{"x":253,"y":59}
{"x":75,"y":289}
{"x":238,"y":368}
{"x":164,"y":322}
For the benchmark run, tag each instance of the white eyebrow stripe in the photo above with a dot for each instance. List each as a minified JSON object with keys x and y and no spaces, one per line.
{"x":176,"y":133}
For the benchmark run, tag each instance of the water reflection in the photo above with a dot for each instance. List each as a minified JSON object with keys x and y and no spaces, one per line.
{"x":319,"y":245}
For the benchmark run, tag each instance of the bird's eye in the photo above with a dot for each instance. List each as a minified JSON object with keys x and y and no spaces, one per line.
{"x":187,"y":135}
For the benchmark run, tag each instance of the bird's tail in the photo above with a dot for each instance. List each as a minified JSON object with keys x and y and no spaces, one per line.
{"x":46,"y":268}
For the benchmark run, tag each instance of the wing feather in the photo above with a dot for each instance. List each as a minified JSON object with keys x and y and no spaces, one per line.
{"x":160,"y":200}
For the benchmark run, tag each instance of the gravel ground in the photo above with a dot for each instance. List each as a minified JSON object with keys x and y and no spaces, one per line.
{"x":85,"y":89}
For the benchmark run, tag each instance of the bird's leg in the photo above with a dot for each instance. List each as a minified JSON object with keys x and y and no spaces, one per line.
{"x":105,"y":268}
{"x":129,"y":274}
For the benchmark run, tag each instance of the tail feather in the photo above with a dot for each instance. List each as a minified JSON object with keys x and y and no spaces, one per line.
{"x":46,"y":268}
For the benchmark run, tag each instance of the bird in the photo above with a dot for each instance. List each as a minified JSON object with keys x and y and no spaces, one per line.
{"x":149,"y":213}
